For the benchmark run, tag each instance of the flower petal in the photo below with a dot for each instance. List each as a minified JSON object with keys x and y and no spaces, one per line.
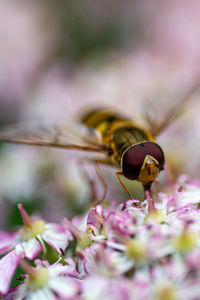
{"x":8,"y":265}
{"x":7,"y":240}
{"x":56,"y":236}
{"x":65,"y":287}
{"x":42,"y":294}
{"x":31,"y":248}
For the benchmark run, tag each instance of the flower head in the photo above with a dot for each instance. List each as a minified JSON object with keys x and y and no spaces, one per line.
{"x":141,"y":250}
{"x":28,"y":242}
{"x":46,"y":282}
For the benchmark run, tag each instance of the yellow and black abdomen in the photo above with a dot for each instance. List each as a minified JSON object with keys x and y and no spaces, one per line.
{"x":102,"y":120}
{"x":117,"y":131}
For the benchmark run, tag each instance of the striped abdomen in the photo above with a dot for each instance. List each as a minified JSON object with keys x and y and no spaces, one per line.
{"x":117,"y":131}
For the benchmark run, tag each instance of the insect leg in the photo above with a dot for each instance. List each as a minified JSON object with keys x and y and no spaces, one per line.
{"x":90,"y":180}
{"x":104,"y":185}
{"x":96,"y":163}
{"x":170,"y":170}
{"x":118,"y":174}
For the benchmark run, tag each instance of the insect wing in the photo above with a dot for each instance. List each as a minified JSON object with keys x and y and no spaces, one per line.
{"x":179,"y":106}
{"x":71,"y":136}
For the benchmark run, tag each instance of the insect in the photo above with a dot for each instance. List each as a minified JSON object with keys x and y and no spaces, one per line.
{"x":124,"y":144}
{"x":128,"y":146}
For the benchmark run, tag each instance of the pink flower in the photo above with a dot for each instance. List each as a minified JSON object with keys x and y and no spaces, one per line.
{"x":95,"y":223}
{"x":8,"y":265}
{"x":7,"y":241}
{"x":99,"y":287}
{"x":141,"y":250}
{"x":34,"y":232}
{"x":173,"y":279}
{"x":46,"y":282}
{"x":28,"y":242}
{"x":119,"y":223}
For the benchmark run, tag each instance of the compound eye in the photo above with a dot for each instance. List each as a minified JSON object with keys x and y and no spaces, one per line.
{"x":134,"y":157}
{"x":132,"y":161}
{"x":156,"y":152}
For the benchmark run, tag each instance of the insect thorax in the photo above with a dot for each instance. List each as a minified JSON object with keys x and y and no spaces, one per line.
{"x":124,"y":137}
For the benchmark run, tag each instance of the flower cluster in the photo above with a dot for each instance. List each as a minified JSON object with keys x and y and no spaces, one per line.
{"x":136,"y":250}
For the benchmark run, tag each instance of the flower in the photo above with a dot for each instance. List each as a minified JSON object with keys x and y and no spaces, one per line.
{"x":95,"y":223}
{"x":46,"y":282}
{"x":8,"y":265}
{"x":99,"y":287}
{"x":142,"y":250}
{"x":83,"y":239}
{"x":28,"y":242}
{"x":34,"y":233}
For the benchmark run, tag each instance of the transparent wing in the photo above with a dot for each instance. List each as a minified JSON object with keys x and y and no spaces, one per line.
{"x":71,"y":136}
{"x":179,"y":106}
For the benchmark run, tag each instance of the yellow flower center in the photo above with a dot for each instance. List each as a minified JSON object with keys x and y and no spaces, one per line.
{"x":38,"y":279}
{"x":157,"y":216}
{"x":136,"y":250}
{"x":83,"y":241}
{"x":166,"y":292}
{"x":185,"y":242}
{"x":36,"y":228}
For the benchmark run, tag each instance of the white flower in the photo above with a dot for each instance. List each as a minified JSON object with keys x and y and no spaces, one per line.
{"x":46,"y":282}
{"x":28,"y":242}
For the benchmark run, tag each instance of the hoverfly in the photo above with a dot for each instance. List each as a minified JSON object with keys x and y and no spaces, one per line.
{"x":124,"y":144}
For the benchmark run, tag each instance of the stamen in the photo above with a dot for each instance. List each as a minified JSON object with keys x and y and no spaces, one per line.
{"x":32,"y":272}
{"x":37,"y":277}
{"x":151,"y":207}
{"x":28,"y":222}
{"x":73,"y":228}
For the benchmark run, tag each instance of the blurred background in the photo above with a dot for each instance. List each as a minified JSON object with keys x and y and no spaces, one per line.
{"x":58,"y":58}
